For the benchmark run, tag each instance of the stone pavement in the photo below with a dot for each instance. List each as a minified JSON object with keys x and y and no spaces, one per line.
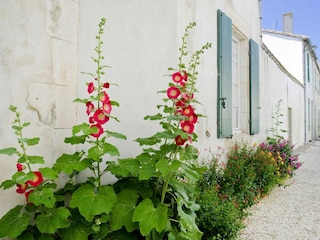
{"x":291,"y":212}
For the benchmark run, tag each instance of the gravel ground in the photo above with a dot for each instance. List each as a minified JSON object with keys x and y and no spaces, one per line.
{"x":291,"y":212}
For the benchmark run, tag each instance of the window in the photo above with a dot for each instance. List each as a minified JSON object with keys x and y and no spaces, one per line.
{"x":238,"y":86}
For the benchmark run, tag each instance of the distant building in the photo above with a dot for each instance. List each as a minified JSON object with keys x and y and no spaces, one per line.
{"x":296,"y":53}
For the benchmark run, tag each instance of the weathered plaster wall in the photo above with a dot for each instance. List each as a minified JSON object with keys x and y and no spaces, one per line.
{"x":38,"y":74}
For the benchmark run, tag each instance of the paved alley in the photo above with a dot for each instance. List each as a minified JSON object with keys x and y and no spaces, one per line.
{"x":292,"y":212}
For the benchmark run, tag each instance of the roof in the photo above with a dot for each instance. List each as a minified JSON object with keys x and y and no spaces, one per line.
{"x":294,"y":35}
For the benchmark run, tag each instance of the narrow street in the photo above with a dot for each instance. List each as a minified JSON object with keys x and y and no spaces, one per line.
{"x":291,"y":212}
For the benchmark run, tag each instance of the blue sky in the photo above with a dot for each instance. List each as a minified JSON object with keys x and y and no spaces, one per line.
{"x":306,"y":17}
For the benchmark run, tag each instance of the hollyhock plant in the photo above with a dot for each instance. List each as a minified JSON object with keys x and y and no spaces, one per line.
{"x":179,"y":140}
{"x":99,"y":117}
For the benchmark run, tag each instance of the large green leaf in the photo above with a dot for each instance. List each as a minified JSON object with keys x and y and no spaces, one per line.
{"x":75,"y":232}
{"x":44,"y":196}
{"x":71,"y":162}
{"x":7,"y":184}
{"x":76,"y":139}
{"x":122,"y":212}
{"x":147,"y":167}
{"x":116,"y":135}
{"x":153,"y":117}
{"x":8,"y":151}
{"x":48,"y":173}
{"x":150,"y":217}
{"x":188,"y":226}
{"x":91,"y":202}
{"x":32,"y":159}
{"x":22,"y":177}
{"x":32,"y":141}
{"x":53,"y":219}
{"x":165,"y":166}
{"x":125,"y":167}
{"x":97,"y":152}
{"x":148,"y":141}
{"x":14,"y":222}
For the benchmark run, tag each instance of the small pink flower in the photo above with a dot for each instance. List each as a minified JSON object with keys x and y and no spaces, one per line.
{"x":100,"y":117}
{"x":188,"y":111}
{"x":90,"y":87}
{"x":173,"y":92}
{"x":22,"y":188}
{"x":90,"y":107}
{"x":106,"y":108}
{"x":177,"y":77}
{"x":20,"y":167}
{"x":104,"y":97}
{"x":193,"y":118}
{"x":98,"y":130}
{"x":37,"y":179}
{"x":106,"y":85}
{"x":187,"y":127}
{"x":179,"y":140}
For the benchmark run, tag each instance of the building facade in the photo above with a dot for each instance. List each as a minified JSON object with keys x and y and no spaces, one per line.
{"x":46,"y":44}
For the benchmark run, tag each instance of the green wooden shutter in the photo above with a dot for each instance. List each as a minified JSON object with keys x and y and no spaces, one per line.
{"x":254,"y":87}
{"x":224,"y":106}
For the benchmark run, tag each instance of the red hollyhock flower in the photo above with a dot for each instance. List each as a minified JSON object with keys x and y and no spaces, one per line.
{"x":177,"y":77}
{"x":187,"y":127}
{"x":22,"y":188}
{"x":27,"y":195}
{"x":20,"y":167}
{"x":193,"y":118}
{"x":181,"y":103}
{"x":185,"y":76}
{"x":37,"y":179}
{"x":188,"y":111}
{"x":91,"y":120}
{"x":173,"y":92}
{"x":106,"y":85}
{"x":90,"y":87}
{"x":106,"y":108}
{"x":100,"y":117}
{"x":90,"y":107}
{"x":179,"y":140}
{"x":98,"y":132}
{"x":104,"y":97}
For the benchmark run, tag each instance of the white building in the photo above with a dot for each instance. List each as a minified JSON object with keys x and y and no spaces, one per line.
{"x":297,"y":55}
{"x":46,"y":44}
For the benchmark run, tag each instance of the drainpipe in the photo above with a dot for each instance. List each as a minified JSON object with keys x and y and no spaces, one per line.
{"x":305,"y":91}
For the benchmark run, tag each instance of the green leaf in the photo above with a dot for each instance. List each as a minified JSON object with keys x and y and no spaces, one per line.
{"x":8,"y":151}
{"x":16,"y":127}
{"x":22,"y":177}
{"x":79,"y":100}
{"x":35,"y":159}
{"x":32,"y":141}
{"x":53,"y":220}
{"x":75,"y":232}
{"x":165,"y":166}
{"x":149,"y":217}
{"x":148,"y":141}
{"x":188,"y":226}
{"x":14,"y":222}
{"x":110,"y":149}
{"x":114,"y":103}
{"x":190,"y":171}
{"x":48,"y":173}
{"x":84,"y":127}
{"x":121,"y":215}
{"x":165,"y":135}
{"x":91,"y":203}
{"x":124,"y":167}
{"x":44,"y":196}
{"x":7,"y":184}
{"x":147,"y":167}
{"x":76,"y":139}
{"x":116,"y":135}
{"x":153,"y":117}
{"x":71,"y":162}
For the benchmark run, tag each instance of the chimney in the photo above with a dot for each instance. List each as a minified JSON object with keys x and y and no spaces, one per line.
{"x":288,"y":22}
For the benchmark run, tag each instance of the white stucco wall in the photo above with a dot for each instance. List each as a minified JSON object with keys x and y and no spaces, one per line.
{"x":38,"y":72}
{"x":289,"y":51}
